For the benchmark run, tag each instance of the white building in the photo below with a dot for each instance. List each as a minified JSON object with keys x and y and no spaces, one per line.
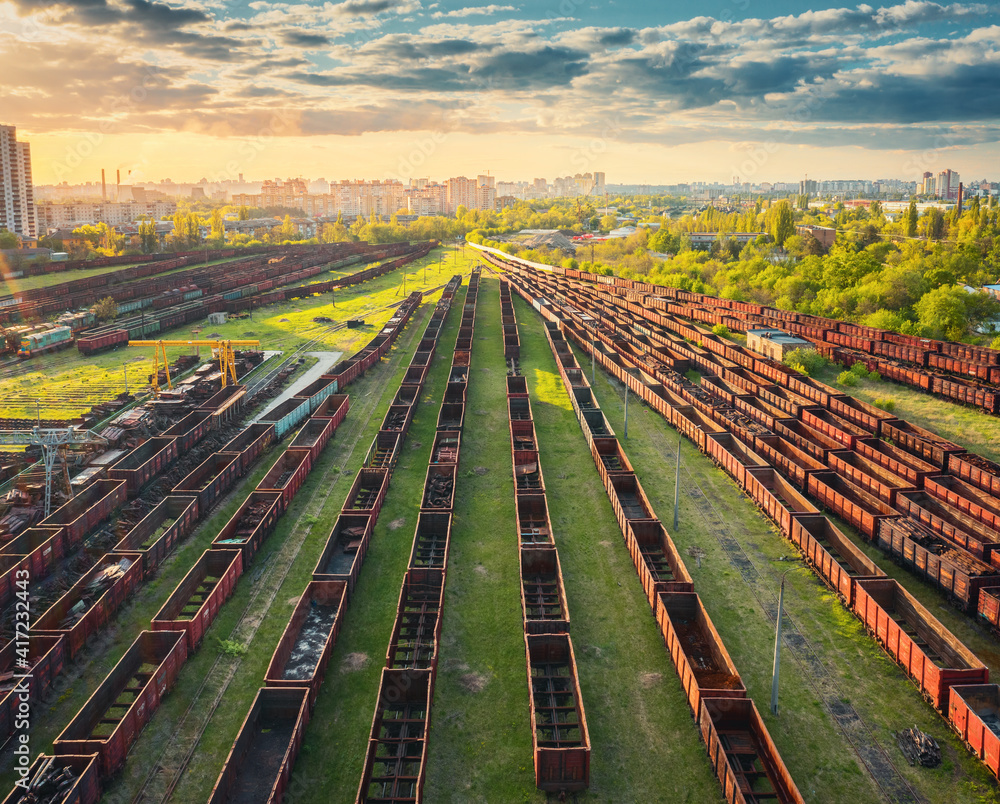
{"x":17,"y":195}
{"x":66,"y":216}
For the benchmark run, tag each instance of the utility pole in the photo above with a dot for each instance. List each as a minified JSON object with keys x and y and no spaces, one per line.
{"x":626,"y":410}
{"x":677,"y":481}
{"x":777,"y":646}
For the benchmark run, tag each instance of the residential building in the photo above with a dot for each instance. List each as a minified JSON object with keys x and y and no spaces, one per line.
{"x":824,"y":234}
{"x":461,"y":192}
{"x":947,"y":185}
{"x":17,"y":193}
{"x":58,"y":216}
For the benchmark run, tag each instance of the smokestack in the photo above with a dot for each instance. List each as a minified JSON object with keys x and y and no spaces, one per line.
{"x":961,"y":192}
{"x":118,"y":184}
{"x":104,"y":188}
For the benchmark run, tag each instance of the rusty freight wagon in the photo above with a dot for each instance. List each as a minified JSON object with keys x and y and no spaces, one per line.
{"x":144,"y":463}
{"x":808,"y":439}
{"x":251,"y":443}
{"x":730,"y":454}
{"x":451,"y":416}
{"x":88,"y":605}
{"x":190,"y":430}
{"x":431,"y":544}
{"x":543,"y":595}
{"x":111,"y":720}
{"x":837,"y":560}
{"x":87,"y":510}
{"x":852,"y":504}
{"x":743,"y":755}
{"x":396,"y":759}
{"x":859,"y":413}
{"x":42,"y":663}
{"x":333,"y":407}
{"x":345,"y":550}
{"x":970,"y":500}
{"x":870,"y":476}
{"x":446,"y":447}
{"x":287,"y":475}
{"x":974,"y":712}
{"x":397,"y":419}
{"x":367,"y":493}
{"x":197,"y":599}
{"x":957,"y":527}
{"x":976,"y":470}
{"x":920,"y":442}
{"x":77,"y":777}
{"x":384,"y":451}
{"x":959,"y":574}
{"x":252,"y":523}
{"x":258,"y":769}
{"x":416,"y":632}
{"x":933,"y":657}
{"x":157,"y":533}
{"x":833,"y":426}
{"x":302,"y":654}
{"x":628,"y":500}
{"x":610,"y":458}
{"x":776,"y":497}
{"x":38,"y":550}
{"x":701,"y":660}
{"x":210,"y":480}
{"x":313,"y":437}
{"x":439,"y":488}
{"x":559,"y":735}
{"x":896,"y":460}
{"x":787,"y":458}
{"x":656,"y":559}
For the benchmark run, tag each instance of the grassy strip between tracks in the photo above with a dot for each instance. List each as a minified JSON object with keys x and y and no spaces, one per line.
{"x":822,"y":764}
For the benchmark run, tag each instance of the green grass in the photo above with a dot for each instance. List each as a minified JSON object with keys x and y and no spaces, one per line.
{"x":812,"y":746}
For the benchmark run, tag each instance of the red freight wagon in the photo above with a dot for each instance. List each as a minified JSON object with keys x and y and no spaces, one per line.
{"x":190,"y":430}
{"x":416,"y":633}
{"x":303,"y":652}
{"x":836,"y":558}
{"x":974,"y":469}
{"x":656,"y":559}
{"x":784,"y":399}
{"x":87,"y":510}
{"x":258,"y":769}
{"x":968,"y":499}
{"x":852,"y":504}
{"x":808,"y":439}
{"x":743,"y":755}
{"x":210,"y":480}
{"x":791,"y":461}
{"x":333,"y":407}
{"x":114,"y":577}
{"x":197,"y":599}
{"x":446,"y":447}
{"x":384,"y":451}
{"x":314,"y":436}
{"x":629,"y":500}
{"x":225,"y":404}
{"x":156,"y":534}
{"x":928,"y":651}
{"x":833,"y":426}
{"x":43,"y":662}
{"x":517,"y":385}
{"x":84,"y":789}
{"x":431,"y":544}
{"x":251,"y":443}
{"x":144,"y":463}
{"x":252,"y":523}
{"x":533,"y":522}
{"x":870,"y":476}
{"x":37,"y":549}
{"x":101,"y":726}
{"x":398,"y":417}
{"x":287,"y":475}
{"x":345,"y":550}
{"x":920,"y":442}
{"x":776,"y":497}
{"x":439,"y":487}
{"x":732,"y":456}
{"x":974,"y":712}
{"x":898,"y":461}
{"x":957,"y":527}
{"x":543,"y":595}
{"x":700,"y":658}
{"x":399,"y":729}
{"x":956,"y":572}
{"x":559,"y":734}
{"x":988,"y":607}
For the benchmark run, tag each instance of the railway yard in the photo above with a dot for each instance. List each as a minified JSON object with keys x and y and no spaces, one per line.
{"x":449,"y":570}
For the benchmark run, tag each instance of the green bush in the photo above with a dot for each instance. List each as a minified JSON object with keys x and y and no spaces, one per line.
{"x":860,"y":369}
{"x":805,"y":361}
{"x":886,"y":403}
{"x":847,"y":378}
{"x":232,"y":648}
{"x":721,"y":330}
{"x":874,"y":376}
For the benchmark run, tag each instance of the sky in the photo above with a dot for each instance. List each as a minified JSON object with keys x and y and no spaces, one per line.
{"x":646,"y":92}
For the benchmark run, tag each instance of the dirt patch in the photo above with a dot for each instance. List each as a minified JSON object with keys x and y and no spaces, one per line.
{"x":454,"y":664}
{"x":650,"y":680}
{"x":396,"y":524}
{"x":473,"y":682}
{"x":293,"y":600}
{"x":604,"y":543}
{"x":354,"y":662}
{"x":481,"y":569}
{"x":480,"y":470}
{"x":482,"y":413}
{"x":416,"y":445}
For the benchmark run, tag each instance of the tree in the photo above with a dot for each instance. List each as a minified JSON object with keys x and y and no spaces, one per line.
{"x":782,"y":224}
{"x":8,"y":239}
{"x":147,"y":236}
{"x":106,"y":309}
{"x":244,"y":214}
{"x":911,"y":219}
{"x":218,"y":225}
{"x":288,"y":230}
{"x":951,"y":311}
{"x":608,"y":222}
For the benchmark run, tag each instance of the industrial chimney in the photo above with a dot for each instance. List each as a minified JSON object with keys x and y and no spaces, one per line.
{"x":104,"y":188}
{"x":118,"y":184}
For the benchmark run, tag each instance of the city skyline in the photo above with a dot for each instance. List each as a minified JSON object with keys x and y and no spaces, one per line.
{"x":384,"y":89}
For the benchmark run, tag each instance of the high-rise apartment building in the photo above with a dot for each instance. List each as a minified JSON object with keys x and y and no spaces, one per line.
{"x":947,"y":184}
{"x":17,"y":195}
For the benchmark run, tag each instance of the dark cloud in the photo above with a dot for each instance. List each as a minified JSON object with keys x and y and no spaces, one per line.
{"x":367,"y":6}
{"x":161,"y":14}
{"x":616,"y":37}
{"x":304,"y":39}
{"x":519,"y":70}
{"x":421,"y":79}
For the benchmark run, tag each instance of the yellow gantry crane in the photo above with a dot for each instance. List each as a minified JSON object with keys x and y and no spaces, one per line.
{"x":224,"y":350}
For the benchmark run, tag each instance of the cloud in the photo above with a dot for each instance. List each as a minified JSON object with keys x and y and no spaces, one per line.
{"x":474,"y":11}
{"x":304,"y":39}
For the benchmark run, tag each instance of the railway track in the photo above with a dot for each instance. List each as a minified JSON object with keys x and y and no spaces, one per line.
{"x":178,"y":753}
{"x":821,"y":680}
